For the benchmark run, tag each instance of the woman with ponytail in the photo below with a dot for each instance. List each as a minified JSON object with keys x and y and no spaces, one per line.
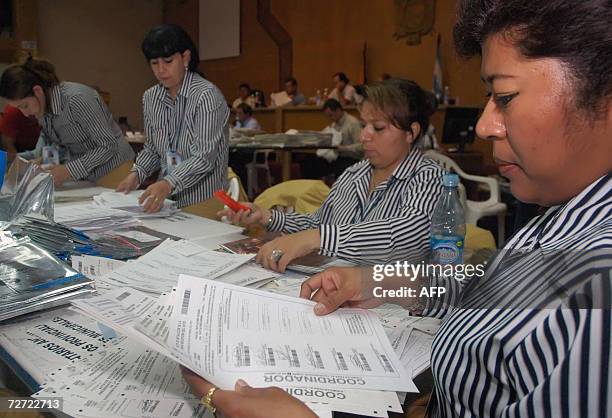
{"x":185,"y":119}
{"x":79,"y":138}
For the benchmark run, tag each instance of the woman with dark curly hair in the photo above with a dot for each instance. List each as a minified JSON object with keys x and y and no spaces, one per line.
{"x":531,"y":338}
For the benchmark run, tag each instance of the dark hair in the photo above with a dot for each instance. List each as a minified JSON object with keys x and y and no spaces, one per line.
{"x":244,"y":85}
{"x":166,"y":40}
{"x":332,"y":104}
{"x":342,"y":77}
{"x":245,"y":108}
{"x":401,"y":101}
{"x":575,"y":32}
{"x":260,"y":98}
{"x":18,"y":81}
{"x":291,"y":80}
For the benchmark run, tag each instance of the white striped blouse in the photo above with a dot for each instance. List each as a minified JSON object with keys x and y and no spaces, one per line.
{"x":80,"y":124}
{"x":391,"y":223}
{"x":541,"y":348}
{"x":195,"y":126}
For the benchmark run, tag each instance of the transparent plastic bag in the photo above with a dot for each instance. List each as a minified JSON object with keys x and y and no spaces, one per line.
{"x":27,"y":190}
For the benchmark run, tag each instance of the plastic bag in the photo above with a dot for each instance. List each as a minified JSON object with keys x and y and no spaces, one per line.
{"x":27,"y":190}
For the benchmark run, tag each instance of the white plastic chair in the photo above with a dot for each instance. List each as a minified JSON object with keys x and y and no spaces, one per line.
{"x":474,"y":210}
{"x":252,"y":172}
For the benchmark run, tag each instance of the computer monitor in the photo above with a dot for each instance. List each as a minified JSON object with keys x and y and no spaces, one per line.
{"x":460,"y":126}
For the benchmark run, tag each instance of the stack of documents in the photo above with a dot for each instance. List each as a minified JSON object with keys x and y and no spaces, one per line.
{"x":90,"y":217}
{"x":32,"y":279}
{"x":129,"y":202}
{"x":340,"y":362}
{"x":158,"y":270}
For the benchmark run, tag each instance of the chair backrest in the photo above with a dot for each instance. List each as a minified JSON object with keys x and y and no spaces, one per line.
{"x":304,"y":196}
{"x":450,"y":165}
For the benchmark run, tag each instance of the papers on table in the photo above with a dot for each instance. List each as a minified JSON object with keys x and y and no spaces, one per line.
{"x":188,"y":226}
{"x":158,"y":270}
{"x":92,"y":266}
{"x":326,"y":362}
{"x":129,"y":203}
{"x":91,"y":217}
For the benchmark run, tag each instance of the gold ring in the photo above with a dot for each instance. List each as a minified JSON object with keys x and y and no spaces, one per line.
{"x":207,"y":399}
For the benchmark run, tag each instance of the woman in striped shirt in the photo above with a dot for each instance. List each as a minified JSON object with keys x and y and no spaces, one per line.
{"x":532,"y":337}
{"x":186,"y":124}
{"x":79,"y":138}
{"x":380,"y":208}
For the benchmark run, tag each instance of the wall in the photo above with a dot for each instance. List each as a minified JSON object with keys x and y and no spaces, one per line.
{"x":98,"y":43}
{"x":328,"y":36}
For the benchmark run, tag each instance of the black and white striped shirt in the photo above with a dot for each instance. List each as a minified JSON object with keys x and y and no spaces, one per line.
{"x":195,"y":126}
{"x":544,"y":354}
{"x":89,"y":140}
{"x":391,"y":223}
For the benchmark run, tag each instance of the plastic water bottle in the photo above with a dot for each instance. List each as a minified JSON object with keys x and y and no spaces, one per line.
{"x":448,"y":224}
{"x":318,"y":99}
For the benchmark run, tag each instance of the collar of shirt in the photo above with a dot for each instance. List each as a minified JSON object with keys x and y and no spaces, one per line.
{"x":403,"y":171}
{"x":182,"y":92}
{"x":57,"y":99}
{"x":338,"y":125}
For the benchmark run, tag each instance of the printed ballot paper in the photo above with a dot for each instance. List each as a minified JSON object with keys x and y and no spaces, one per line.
{"x":133,"y":374}
{"x":225,"y":332}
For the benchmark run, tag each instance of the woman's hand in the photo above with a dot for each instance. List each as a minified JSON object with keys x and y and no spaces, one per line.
{"x":256,"y":215}
{"x":128,"y":184}
{"x":60,"y":174}
{"x":289,"y":247}
{"x":247,"y":402}
{"x":341,"y":286}
{"x":153,"y":198}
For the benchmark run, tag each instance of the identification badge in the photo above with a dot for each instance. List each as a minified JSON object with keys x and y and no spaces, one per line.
{"x":173,"y":160}
{"x":50,"y":155}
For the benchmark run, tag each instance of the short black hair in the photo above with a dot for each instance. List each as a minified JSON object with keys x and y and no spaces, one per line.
{"x":342,"y":77}
{"x":332,"y":104}
{"x":575,"y":32}
{"x":166,"y":40}
{"x":245,"y":108}
{"x":291,"y":80}
{"x":244,"y":85}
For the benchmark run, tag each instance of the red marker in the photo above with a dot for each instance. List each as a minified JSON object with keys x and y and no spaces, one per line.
{"x":229,"y":202}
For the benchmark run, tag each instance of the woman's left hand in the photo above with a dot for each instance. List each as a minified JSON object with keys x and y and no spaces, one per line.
{"x":60,"y":174}
{"x":247,"y":402}
{"x":290,"y":247}
{"x":153,"y":198}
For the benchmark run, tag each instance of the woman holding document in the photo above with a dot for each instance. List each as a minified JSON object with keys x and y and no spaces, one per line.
{"x":186,"y":124}
{"x":379,"y":209}
{"x":531,"y":338}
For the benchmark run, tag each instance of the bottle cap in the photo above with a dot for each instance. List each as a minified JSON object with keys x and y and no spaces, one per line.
{"x":450,"y":180}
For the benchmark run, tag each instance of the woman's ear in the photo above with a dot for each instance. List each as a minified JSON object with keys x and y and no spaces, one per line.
{"x":186,"y":56}
{"x":416,"y":132}
{"x":38,"y":91}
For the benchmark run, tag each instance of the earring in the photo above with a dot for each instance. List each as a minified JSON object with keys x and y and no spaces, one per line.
{"x":186,"y":68}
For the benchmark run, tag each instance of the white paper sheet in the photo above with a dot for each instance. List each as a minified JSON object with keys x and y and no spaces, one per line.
{"x":93,"y":266}
{"x":186,"y":225}
{"x":218,"y":328}
{"x":158,"y":270}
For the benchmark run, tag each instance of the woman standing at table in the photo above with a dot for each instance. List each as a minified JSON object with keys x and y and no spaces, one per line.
{"x":380,"y":208}
{"x":186,"y":124}
{"x":79,"y":138}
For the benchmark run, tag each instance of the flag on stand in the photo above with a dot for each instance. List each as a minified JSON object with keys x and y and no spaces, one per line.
{"x":437,"y":74}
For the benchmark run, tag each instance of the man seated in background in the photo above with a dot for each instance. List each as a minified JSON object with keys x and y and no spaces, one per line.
{"x":245,"y":119}
{"x":19,"y":133}
{"x":244,"y":96}
{"x":350,"y":149}
{"x":343,"y":92}
{"x":290,"y":95}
